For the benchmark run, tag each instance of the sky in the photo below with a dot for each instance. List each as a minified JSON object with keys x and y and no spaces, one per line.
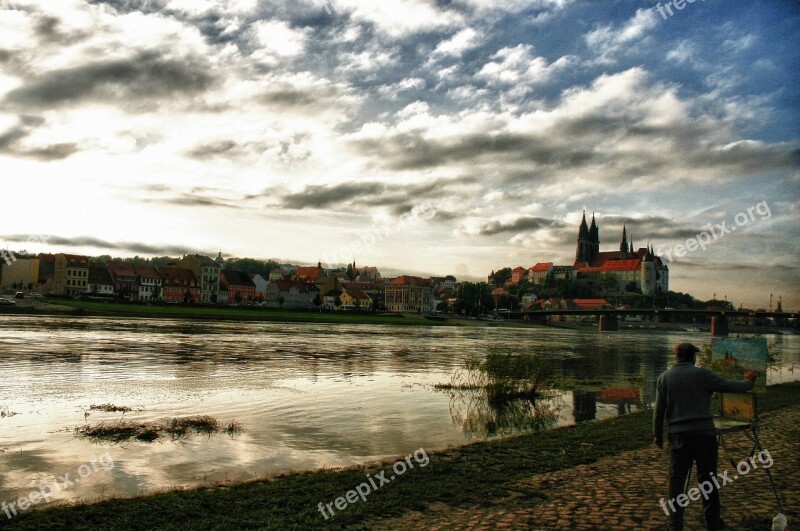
{"x":420,"y":136}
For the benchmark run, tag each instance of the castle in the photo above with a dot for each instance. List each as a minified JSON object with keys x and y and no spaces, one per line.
{"x":637,"y":269}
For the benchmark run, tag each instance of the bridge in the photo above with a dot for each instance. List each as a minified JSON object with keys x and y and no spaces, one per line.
{"x":608,"y":318}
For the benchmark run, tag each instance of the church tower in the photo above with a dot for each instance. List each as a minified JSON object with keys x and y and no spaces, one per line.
{"x":623,"y":245}
{"x":586,"y":248}
{"x":594,"y":240}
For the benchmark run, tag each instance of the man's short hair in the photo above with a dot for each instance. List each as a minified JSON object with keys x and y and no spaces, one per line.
{"x":685,"y":351}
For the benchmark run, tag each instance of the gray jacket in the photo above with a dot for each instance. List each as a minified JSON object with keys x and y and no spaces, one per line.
{"x":683,"y":396}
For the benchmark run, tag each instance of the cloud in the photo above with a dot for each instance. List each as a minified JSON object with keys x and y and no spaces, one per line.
{"x":90,"y":241}
{"x":459,"y":43}
{"x":324,"y":196}
{"x":520,"y":224}
{"x":609,"y":40}
{"x":12,"y":142}
{"x":142,"y":77}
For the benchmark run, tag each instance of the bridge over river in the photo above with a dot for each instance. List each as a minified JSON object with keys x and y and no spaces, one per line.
{"x":608,"y":318}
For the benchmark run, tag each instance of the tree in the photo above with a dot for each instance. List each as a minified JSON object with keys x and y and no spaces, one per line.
{"x":187,"y":296}
{"x":500,"y":277}
{"x":281,"y":300}
{"x":237,"y":297}
{"x":317,"y":300}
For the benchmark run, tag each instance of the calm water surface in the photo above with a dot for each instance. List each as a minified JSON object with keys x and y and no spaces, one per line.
{"x":307,"y":395}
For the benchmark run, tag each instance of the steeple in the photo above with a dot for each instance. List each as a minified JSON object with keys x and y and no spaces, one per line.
{"x":623,"y":245}
{"x":632,"y":251}
{"x":584,"y":228}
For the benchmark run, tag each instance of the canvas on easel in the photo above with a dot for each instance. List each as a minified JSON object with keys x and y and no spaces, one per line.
{"x":731,"y":358}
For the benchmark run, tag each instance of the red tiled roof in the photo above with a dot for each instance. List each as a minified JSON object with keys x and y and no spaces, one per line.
{"x":590,"y":269}
{"x":358,"y":294}
{"x":121,"y":269}
{"x":310,"y":273}
{"x":519,"y":269}
{"x":176,"y":275}
{"x":148,"y":272}
{"x":622,"y":265}
{"x":590,"y":304}
{"x":404,"y":280}
{"x":542,"y":266}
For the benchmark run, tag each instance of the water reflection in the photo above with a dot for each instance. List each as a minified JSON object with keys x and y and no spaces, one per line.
{"x":481,"y":416}
{"x":307,"y":395}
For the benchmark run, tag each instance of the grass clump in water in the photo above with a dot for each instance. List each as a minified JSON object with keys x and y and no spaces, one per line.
{"x":109,"y":408}
{"x":175,"y":429}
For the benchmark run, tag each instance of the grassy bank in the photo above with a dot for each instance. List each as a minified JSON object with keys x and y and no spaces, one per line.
{"x":468,"y":476}
{"x":93,"y":308}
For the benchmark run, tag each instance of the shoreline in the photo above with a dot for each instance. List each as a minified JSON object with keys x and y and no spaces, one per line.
{"x":449,"y":481}
{"x":78,"y":308}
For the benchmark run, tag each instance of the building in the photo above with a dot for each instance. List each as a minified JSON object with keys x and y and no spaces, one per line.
{"x":22,"y":273}
{"x":179,"y":285}
{"x":149,"y":284}
{"x":518,"y":274}
{"x":207,"y":271}
{"x":539,"y":273}
{"x":71,"y":274}
{"x":633,"y":270}
{"x":239,"y":285}
{"x":100,"y":283}
{"x":356,"y":298}
{"x":123,"y":275}
{"x":290,"y":295}
{"x":261,"y":286}
{"x":409,"y":294}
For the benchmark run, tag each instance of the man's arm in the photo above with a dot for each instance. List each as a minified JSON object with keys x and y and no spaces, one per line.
{"x":658,"y":416}
{"x":717,"y":384}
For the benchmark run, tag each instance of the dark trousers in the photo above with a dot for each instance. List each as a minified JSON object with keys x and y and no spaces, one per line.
{"x":686,"y":448}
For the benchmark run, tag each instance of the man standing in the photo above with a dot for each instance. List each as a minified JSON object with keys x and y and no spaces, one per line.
{"x":683,"y":397}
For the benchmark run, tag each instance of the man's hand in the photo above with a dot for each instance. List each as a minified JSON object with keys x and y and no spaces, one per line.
{"x":751,"y":375}
{"x":658,"y":442}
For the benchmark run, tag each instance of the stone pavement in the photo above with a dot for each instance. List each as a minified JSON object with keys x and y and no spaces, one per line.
{"x":622,"y":492}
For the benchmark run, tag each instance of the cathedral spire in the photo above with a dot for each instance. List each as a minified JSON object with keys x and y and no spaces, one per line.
{"x":623,"y":245}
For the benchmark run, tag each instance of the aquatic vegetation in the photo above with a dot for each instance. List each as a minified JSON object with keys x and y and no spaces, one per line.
{"x":109,"y":408}
{"x":175,"y":429}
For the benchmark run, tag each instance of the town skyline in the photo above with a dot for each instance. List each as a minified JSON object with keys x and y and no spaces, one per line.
{"x":295,"y":131}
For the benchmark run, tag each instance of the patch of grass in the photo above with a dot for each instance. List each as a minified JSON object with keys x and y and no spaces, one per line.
{"x":109,"y":408}
{"x":175,"y":429}
{"x":238,"y":314}
{"x":476,"y":475}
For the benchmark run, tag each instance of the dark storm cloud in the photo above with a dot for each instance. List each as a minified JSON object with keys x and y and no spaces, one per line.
{"x":415,"y":152}
{"x":11,"y":142}
{"x":399,"y":197}
{"x":192,"y":200}
{"x":521,"y":224}
{"x":89,"y":241}
{"x":323,"y":196}
{"x":141,"y":77}
{"x":213,"y":149}
{"x":47,"y":29}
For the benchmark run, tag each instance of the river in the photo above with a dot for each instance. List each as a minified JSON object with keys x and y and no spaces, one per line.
{"x":306,"y":395}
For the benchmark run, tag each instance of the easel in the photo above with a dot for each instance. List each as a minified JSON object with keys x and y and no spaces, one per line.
{"x":738,"y":412}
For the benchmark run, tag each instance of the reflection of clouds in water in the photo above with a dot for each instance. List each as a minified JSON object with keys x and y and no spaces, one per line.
{"x":307,"y":395}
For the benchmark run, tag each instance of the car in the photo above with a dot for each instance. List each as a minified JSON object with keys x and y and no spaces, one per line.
{"x":33,"y":294}
{"x":6,"y":302}
{"x":19,"y":295}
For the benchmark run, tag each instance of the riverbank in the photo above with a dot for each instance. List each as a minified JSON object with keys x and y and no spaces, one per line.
{"x":77,"y":307}
{"x":515,"y":481}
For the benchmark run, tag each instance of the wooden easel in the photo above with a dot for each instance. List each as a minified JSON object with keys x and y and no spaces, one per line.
{"x":738,"y":412}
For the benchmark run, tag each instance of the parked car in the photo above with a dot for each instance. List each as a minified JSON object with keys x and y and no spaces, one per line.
{"x":33,"y":294}
{"x":6,"y":302}
{"x":19,"y":295}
